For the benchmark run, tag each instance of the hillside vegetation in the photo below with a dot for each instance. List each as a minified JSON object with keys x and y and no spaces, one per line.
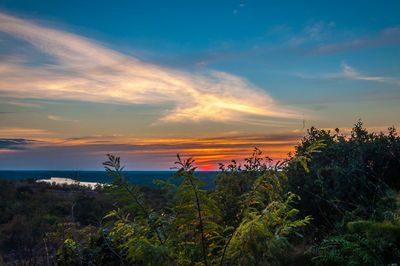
{"x":334,"y":201}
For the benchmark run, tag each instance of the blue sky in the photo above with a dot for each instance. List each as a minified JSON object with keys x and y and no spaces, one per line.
{"x":79,"y":76}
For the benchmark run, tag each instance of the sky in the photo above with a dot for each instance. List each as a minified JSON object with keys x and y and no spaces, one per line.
{"x":146,"y":80}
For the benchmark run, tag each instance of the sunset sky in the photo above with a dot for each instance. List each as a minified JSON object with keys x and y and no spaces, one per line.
{"x":211,"y":79}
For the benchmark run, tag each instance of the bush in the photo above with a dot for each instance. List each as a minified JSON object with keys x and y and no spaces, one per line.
{"x":347,"y":174}
{"x":195,"y":226}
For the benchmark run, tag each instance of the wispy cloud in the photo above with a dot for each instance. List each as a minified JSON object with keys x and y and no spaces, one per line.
{"x":350,"y":73}
{"x":314,"y":31}
{"x":84,"y":70}
{"x":314,"y":39}
{"x":21,"y":104}
{"x":60,"y":118}
{"x":388,"y":36}
{"x":21,"y":132}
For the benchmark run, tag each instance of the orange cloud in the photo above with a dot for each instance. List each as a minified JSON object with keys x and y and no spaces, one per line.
{"x":84,"y":70}
{"x":21,"y":132}
{"x":139,"y":154}
{"x":208,"y":152}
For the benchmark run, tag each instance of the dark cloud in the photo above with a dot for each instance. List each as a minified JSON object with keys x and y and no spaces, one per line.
{"x":90,"y":137}
{"x":15,"y":144}
{"x":315,"y":39}
{"x":288,"y":137}
{"x":5,"y":113}
{"x":367,"y":96}
{"x":318,"y":107}
{"x":389,"y":36}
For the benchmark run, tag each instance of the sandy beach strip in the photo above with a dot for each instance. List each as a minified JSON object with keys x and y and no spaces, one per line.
{"x":69,"y":181}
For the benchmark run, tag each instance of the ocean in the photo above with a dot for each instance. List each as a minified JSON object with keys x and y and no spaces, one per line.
{"x":143,"y":178}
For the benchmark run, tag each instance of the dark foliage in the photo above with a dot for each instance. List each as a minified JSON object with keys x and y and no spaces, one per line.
{"x":348,"y":173}
{"x":258,"y":213}
{"x":30,"y":211}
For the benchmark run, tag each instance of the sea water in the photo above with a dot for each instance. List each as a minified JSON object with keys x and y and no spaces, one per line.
{"x":143,"y":178}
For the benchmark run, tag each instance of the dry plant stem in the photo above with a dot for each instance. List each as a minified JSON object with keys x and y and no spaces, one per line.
{"x":203,"y":242}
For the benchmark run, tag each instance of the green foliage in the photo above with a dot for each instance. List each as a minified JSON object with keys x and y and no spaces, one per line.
{"x":262,"y":236}
{"x":253,"y":216}
{"x":194,"y":226}
{"x":350,"y":190}
{"x":267,"y":217}
{"x":143,"y":235}
{"x":69,"y":253}
{"x":99,"y":249}
{"x":348,"y":173}
{"x":34,"y":218}
{"x":234,"y":183}
{"x":363,"y":242}
{"x":195,"y":234}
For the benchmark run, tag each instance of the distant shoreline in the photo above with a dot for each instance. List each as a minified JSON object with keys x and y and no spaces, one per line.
{"x":142,"y":178}
{"x":69,"y":181}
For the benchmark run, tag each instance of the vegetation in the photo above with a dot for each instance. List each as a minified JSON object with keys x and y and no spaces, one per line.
{"x":335,"y":201}
{"x":33,"y":213}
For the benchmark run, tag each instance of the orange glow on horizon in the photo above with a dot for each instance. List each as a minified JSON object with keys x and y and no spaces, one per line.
{"x":208,"y":153}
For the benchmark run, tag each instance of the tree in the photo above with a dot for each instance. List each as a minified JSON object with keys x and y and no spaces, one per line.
{"x":348,"y":173}
{"x":194,"y":227}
